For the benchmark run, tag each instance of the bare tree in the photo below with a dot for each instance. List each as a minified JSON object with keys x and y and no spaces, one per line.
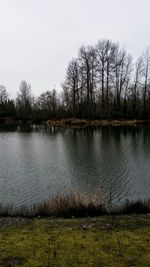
{"x":146,"y":77}
{"x":87,"y":59}
{"x":47,"y":104}
{"x":3,"y":94}
{"x":24,"y":101}
{"x":137,"y":84}
{"x":123,"y":69}
{"x":71,"y":84}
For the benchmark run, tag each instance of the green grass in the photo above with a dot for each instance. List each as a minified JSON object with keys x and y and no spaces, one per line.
{"x":96,"y":242}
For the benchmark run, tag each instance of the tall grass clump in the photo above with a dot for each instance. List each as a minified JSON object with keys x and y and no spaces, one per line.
{"x":75,"y":205}
{"x":6,"y":210}
{"x":68,"y":205}
{"x":135,"y":207}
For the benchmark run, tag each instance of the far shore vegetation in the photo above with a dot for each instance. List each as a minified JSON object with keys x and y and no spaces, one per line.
{"x":103,"y":83}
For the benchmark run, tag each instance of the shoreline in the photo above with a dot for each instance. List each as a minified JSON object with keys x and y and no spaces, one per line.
{"x":73,"y":122}
{"x":76,"y":206}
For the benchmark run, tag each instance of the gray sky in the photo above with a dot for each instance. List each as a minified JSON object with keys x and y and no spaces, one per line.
{"x":39,"y":37}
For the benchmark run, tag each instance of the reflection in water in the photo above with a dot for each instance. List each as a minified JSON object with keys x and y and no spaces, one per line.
{"x":37,"y":162}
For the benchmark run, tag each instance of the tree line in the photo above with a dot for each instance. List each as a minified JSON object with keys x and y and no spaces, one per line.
{"x":103,"y":82}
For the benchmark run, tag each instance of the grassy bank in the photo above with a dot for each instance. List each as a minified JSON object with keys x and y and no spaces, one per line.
{"x":95,"y":242}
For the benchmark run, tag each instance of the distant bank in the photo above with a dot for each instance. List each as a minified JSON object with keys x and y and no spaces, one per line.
{"x":72,"y":122}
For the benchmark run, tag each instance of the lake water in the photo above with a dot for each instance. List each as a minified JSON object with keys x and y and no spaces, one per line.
{"x":36,"y":163}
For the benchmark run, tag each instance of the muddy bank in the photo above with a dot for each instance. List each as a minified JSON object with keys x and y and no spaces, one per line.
{"x":85,"y":123}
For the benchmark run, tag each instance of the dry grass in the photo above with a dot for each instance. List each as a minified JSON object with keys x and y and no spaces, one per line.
{"x":74,"y":122}
{"x":75,"y":205}
{"x":135,"y":207}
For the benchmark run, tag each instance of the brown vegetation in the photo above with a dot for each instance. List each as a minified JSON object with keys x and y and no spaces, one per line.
{"x":76,"y":205}
{"x":73,"y":122}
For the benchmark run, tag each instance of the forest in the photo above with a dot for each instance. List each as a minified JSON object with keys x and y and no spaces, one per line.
{"x":103,"y":82}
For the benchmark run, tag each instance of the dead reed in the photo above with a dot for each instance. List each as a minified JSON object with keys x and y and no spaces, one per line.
{"x":75,"y":205}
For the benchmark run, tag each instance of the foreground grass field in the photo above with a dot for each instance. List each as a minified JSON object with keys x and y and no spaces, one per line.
{"x":104,"y":241}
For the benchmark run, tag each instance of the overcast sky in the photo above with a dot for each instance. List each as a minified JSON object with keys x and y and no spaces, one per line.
{"x":39,"y":37}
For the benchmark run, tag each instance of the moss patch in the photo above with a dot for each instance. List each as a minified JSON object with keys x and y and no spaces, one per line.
{"x":124,"y":241}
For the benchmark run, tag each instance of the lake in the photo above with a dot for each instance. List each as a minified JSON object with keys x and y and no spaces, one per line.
{"x":37,"y":163}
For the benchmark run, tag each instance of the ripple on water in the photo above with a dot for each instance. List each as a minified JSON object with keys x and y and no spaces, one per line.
{"x":39,"y":164}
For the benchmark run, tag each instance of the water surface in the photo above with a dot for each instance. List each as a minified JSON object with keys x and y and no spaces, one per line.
{"x":36,"y":163}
